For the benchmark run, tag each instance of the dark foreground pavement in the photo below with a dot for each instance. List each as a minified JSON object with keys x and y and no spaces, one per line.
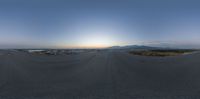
{"x":99,"y":75}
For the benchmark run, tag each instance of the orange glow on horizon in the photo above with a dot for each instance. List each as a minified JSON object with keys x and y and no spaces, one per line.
{"x":89,"y":46}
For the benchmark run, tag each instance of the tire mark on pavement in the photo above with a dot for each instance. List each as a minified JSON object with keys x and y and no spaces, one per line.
{"x":111,"y":71}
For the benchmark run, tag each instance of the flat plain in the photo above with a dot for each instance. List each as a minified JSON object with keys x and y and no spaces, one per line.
{"x":106,"y":74}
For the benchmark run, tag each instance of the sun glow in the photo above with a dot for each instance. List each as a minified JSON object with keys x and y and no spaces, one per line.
{"x":94,"y":33}
{"x":96,"y":40}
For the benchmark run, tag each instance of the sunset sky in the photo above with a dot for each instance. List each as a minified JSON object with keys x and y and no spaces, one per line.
{"x":99,"y":23}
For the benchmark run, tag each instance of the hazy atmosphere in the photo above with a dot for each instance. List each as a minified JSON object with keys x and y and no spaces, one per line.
{"x":99,"y":23}
{"x":99,"y":49}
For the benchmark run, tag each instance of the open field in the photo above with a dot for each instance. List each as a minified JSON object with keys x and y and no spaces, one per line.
{"x":106,"y":74}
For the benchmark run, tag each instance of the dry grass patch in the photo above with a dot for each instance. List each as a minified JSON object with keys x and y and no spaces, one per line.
{"x":161,"y":53}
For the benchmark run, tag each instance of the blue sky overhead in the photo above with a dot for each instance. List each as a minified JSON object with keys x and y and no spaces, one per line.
{"x":99,"y":23}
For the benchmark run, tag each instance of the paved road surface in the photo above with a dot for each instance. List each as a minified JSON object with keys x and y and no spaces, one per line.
{"x":98,"y":75}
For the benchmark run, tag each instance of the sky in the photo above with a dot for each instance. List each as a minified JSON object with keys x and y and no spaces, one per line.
{"x":99,"y":23}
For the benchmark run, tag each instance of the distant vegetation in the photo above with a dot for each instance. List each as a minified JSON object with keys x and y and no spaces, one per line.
{"x":162,"y":53}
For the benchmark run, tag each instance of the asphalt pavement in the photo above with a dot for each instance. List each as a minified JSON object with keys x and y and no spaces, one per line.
{"x":99,"y":75}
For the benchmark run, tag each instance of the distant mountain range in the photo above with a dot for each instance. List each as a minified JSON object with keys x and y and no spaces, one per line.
{"x":142,"y":47}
